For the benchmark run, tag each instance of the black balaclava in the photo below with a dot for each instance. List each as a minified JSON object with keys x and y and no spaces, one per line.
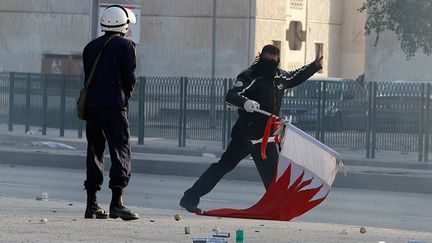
{"x":264,"y":66}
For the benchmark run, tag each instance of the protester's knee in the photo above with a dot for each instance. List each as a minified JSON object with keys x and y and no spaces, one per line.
{"x":223,"y":168}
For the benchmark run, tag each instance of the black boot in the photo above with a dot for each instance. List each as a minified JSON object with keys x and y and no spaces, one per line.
{"x":93,"y":211}
{"x":191,"y":207}
{"x":117,"y":209}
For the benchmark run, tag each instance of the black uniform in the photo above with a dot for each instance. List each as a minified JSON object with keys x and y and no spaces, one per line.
{"x":107,"y":107}
{"x":268,"y":92}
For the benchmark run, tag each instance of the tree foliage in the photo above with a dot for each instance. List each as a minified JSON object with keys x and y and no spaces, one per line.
{"x":410,"y":20}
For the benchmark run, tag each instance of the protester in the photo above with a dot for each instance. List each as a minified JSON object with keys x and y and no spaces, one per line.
{"x":260,"y":86}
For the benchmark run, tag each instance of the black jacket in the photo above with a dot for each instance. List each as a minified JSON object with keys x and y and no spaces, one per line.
{"x":268,"y":92}
{"x":114,"y":77}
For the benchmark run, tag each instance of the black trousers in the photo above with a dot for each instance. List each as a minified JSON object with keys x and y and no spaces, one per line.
{"x":236,"y":151}
{"x":112,"y":126}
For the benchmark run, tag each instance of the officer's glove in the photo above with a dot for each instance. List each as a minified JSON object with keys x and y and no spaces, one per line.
{"x":251,"y":106}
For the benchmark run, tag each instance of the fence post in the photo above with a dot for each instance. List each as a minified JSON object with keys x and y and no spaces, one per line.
{"x":62,"y":105}
{"x":80,"y":129}
{"x":427,"y":123}
{"x":369,"y":120}
{"x":224,"y":115}
{"x":11,"y":100}
{"x":184,"y":111}
{"x":27,"y":108}
{"x":322,"y":111}
{"x":421,"y":124}
{"x":80,"y":123}
{"x":180,"y":126}
{"x":44,"y":103}
{"x":213,"y":103}
{"x":228,"y":133}
{"x":318,"y":112}
{"x":373,"y":144}
{"x":141,"y":110}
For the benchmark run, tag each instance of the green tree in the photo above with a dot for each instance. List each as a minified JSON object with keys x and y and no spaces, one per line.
{"x":410,"y":20}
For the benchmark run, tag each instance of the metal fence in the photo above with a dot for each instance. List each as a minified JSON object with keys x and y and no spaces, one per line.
{"x":4,"y":96}
{"x":342,"y":114}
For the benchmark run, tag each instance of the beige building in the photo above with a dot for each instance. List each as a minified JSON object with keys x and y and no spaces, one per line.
{"x":176,"y":35}
{"x":301,"y":26}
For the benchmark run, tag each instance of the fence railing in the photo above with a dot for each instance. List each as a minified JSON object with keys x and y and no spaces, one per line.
{"x":372,"y":116}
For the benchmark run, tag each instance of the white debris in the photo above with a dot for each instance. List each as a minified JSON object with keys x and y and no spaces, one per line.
{"x":44,"y":220}
{"x":42,"y":197}
{"x":54,"y":145}
{"x":208,"y":155}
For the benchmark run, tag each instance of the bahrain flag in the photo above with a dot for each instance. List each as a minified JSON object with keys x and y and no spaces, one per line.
{"x":305,"y":172}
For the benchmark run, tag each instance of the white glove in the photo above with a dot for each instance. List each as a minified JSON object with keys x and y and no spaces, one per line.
{"x":251,"y":105}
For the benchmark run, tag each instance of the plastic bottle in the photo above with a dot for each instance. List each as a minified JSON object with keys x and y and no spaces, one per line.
{"x":239,"y":236}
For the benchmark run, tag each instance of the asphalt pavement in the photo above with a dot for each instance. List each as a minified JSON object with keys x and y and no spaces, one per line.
{"x":24,"y":219}
{"x":391,"y":171}
{"x":347,"y":215}
{"x":28,"y":220}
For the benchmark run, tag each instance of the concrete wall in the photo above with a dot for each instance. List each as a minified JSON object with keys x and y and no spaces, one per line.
{"x":337,"y":25}
{"x":176,"y":37}
{"x":31,"y":28}
{"x":353,"y":40}
{"x":295,"y":11}
{"x":270,"y":25}
{"x":324,"y":26}
{"x":386,"y":61}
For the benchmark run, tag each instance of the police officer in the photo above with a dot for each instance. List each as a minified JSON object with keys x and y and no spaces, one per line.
{"x":260,"y":86}
{"x":110,"y":88}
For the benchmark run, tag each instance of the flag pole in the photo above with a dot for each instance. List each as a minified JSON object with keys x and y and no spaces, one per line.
{"x":265,"y":113}
{"x":286,"y":121}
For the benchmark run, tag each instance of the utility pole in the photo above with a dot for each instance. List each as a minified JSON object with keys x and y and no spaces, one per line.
{"x":213,"y":67}
{"x":307,"y":34}
{"x":213,"y":41}
{"x":94,"y":18}
{"x":249,"y":53}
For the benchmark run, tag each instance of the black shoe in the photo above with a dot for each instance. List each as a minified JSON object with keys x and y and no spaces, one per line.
{"x":122,"y":212}
{"x":95,"y":212}
{"x":190,"y":207}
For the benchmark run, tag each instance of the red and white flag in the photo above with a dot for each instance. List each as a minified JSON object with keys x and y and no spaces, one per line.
{"x":305,"y":172}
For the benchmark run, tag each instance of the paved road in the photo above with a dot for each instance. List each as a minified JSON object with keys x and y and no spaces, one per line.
{"x":359,"y":176}
{"x":396,"y":210}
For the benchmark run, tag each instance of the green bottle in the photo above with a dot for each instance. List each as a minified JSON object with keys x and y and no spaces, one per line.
{"x":239,"y":236}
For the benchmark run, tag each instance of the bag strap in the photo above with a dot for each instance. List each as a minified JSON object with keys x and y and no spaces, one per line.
{"x":97,"y":60}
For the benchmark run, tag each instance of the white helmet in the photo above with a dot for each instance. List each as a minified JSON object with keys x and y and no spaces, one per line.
{"x":116,"y":18}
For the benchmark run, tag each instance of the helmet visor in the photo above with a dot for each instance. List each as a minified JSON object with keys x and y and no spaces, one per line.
{"x":132,"y":18}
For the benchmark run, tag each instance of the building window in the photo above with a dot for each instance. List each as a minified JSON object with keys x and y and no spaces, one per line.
{"x":319,"y":47}
{"x":278,"y":44}
{"x":295,"y":35}
{"x":296,"y":4}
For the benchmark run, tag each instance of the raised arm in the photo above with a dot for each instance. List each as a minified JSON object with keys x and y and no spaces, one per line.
{"x":298,"y":76}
